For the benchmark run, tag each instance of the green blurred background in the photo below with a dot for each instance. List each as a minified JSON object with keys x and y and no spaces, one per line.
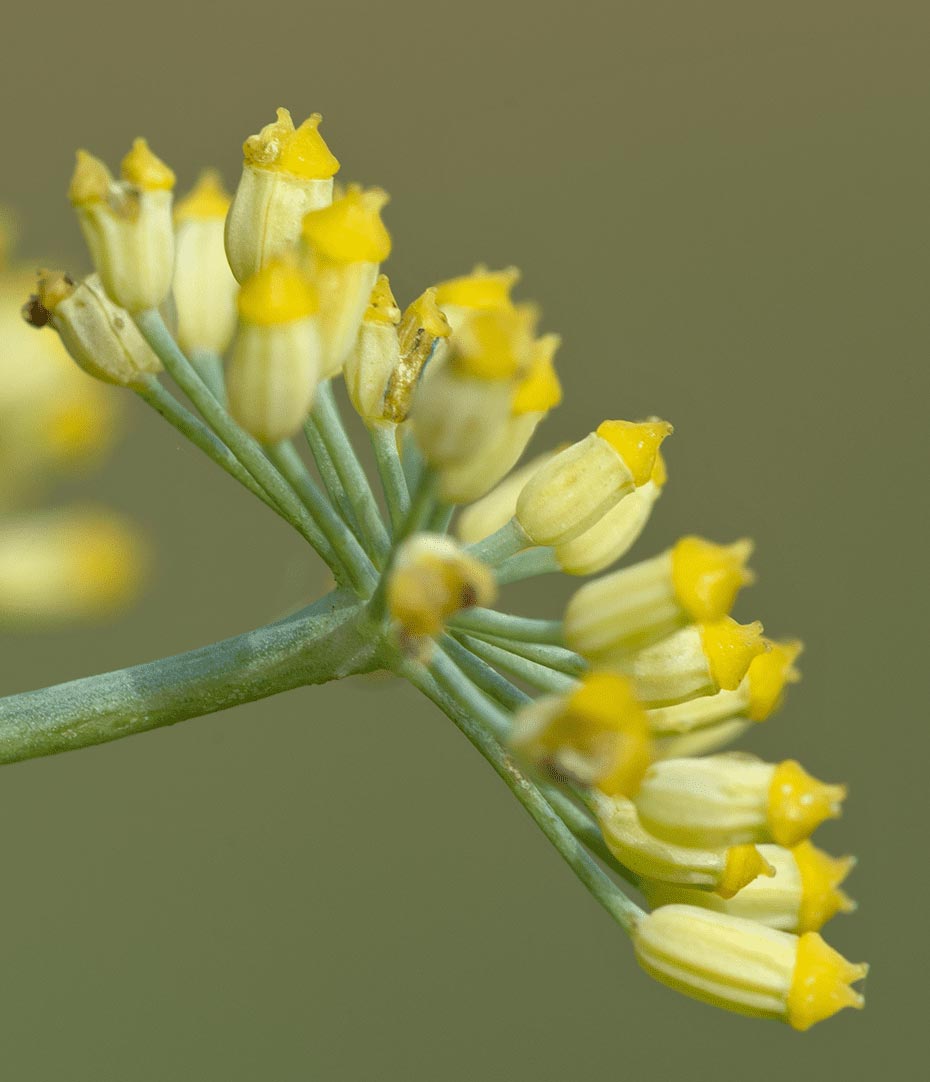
{"x":722,"y":209}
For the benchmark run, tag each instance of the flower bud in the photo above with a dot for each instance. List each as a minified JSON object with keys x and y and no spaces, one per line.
{"x":127,"y":225}
{"x":729,"y":799}
{"x":432,"y":579}
{"x":695,"y":580}
{"x":286,"y":172}
{"x":275,"y":366}
{"x":759,"y":693}
{"x":60,"y":566}
{"x":725,"y":870}
{"x":376,"y":354}
{"x":487,"y":515}
{"x":204,"y":287}
{"x":616,"y":533}
{"x":802,"y":895}
{"x":587,"y":480}
{"x":464,"y":398}
{"x":100,"y":336}
{"x":481,"y":291}
{"x":596,"y":735}
{"x":344,"y":244}
{"x":537,"y":392}
{"x":745,"y":967}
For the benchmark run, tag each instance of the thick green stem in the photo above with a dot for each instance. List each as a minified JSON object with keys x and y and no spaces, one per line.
{"x":327,"y":641}
{"x":463,"y":703}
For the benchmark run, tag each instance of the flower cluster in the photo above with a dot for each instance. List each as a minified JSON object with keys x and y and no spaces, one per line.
{"x":68,"y":563}
{"x":256,"y":304}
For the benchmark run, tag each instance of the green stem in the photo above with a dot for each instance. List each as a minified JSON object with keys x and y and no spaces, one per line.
{"x":505,"y":542}
{"x":210,"y":369}
{"x":524,"y":628}
{"x":440,"y":518}
{"x":511,"y":698}
{"x":527,"y":565}
{"x":325,"y":642}
{"x":243,"y":446}
{"x":551,"y":657}
{"x":538,"y":676}
{"x":329,"y":477}
{"x":454,"y":694}
{"x":353,"y":477}
{"x":354,"y":558}
{"x":192,"y":428}
{"x":393,"y":482}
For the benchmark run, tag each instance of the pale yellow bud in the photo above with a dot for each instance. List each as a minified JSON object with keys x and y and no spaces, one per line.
{"x":491,"y":512}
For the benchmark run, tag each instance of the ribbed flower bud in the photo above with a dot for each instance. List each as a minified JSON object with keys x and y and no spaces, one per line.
{"x":596,"y":735}
{"x":127,"y":225}
{"x":344,"y":244}
{"x":586,"y":481}
{"x":286,"y":172}
{"x":697,"y":660}
{"x":204,"y":288}
{"x":275,"y":366}
{"x":729,"y":799}
{"x":695,"y":580}
{"x":758,"y":695}
{"x":98,"y":334}
{"x":725,"y":870}
{"x":376,"y":354}
{"x":59,"y":566}
{"x":432,"y":579}
{"x":464,"y":399}
{"x":745,"y":967}
{"x":484,"y":517}
{"x":802,"y":895}
{"x":533,"y":396}
{"x":615,"y":534}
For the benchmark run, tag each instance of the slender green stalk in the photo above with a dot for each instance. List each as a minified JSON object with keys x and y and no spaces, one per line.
{"x":538,"y":676}
{"x":329,"y":477}
{"x":192,"y":428}
{"x":552,"y":657}
{"x":391,"y":472}
{"x":524,"y":628}
{"x":527,"y":565}
{"x":209,"y":367}
{"x":412,"y":460}
{"x":354,"y":479}
{"x":243,"y":446}
{"x":354,"y":558}
{"x":505,"y":542}
{"x":488,"y":679}
{"x":454,"y":694}
{"x":440,"y":518}
{"x":326,"y":641}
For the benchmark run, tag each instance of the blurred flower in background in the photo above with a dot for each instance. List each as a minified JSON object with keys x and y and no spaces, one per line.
{"x":57,"y":564}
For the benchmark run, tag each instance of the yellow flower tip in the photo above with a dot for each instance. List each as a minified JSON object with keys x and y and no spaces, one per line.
{"x":482,"y":290}
{"x":279,"y":293}
{"x":382,"y":307}
{"x":821,"y":876}
{"x":52,"y":287}
{"x":659,"y":473}
{"x":744,"y":863}
{"x":281,"y":147}
{"x":707,"y":577}
{"x":604,"y":708}
{"x":90,"y":181}
{"x":820,"y":985}
{"x":431,"y":581}
{"x":798,"y":803}
{"x":540,"y":390}
{"x":350,"y":230}
{"x":425,"y":314}
{"x":768,"y":676}
{"x":495,"y":344}
{"x":207,"y":199}
{"x":145,"y":170}
{"x":637,"y":443}
{"x":729,"y":648}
